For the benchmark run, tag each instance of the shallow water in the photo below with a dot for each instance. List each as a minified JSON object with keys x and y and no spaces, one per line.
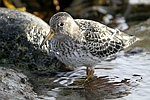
{"x":125,"y":78}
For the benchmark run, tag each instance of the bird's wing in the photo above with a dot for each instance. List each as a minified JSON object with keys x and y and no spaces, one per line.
{"x":101,"y":40}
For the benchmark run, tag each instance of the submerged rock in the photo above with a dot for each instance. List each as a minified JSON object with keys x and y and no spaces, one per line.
{"x":21,"y":34}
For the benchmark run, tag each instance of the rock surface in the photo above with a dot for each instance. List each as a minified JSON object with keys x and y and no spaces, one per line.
{"x":21,"y":34}
{"x":15,"y":86}
{"x":142,"y":31}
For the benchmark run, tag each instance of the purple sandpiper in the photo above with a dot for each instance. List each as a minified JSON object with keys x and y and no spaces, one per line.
{"x":81,"y":42}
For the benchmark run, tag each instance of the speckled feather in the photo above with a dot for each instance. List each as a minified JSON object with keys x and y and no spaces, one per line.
{"x":80,"y":42}
{"x":100,"y":40}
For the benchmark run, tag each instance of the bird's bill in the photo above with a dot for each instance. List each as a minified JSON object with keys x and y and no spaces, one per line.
{"x":48,"y":37}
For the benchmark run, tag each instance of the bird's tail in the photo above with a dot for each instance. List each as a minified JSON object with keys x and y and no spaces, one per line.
{"x":127,"y":39}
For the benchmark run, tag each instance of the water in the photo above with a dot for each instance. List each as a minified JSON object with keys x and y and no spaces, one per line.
{"x":125,"y":78}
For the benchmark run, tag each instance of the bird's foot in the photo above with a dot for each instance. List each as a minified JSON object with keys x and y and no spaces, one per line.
{"x":89,"y":74}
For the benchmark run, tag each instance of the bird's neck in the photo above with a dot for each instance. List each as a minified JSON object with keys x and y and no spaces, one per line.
{"x":76,"y":32}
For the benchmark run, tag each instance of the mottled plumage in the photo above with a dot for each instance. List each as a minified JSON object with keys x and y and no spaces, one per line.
{"x":80,"y":42}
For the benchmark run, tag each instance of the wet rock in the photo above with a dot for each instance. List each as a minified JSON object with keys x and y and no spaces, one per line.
{"x":133,"y":51}
{"x":142,"y":31}
{"x":15,"y":86}
{"x":21,"y":34}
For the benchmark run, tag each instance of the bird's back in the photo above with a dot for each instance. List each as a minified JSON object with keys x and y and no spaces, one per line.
{"x":103,"y":41}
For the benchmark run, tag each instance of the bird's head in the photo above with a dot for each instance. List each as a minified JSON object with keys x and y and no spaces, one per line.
{"x":62,"y":25}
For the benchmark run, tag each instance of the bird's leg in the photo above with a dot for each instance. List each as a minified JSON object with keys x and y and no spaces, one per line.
{"x":89,"y":73}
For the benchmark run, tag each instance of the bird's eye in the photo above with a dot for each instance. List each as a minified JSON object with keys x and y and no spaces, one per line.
{"x":61,"y":24}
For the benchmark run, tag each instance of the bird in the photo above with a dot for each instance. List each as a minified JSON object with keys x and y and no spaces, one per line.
{"x":83,"y":42}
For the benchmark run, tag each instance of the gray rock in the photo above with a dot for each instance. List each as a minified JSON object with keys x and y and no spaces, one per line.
{"x":15,"y":86}
{"x":142,"y":31}
{"x":21,"y":34}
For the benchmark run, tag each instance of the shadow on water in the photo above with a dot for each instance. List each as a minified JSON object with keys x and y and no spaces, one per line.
{"x":97,"y":89}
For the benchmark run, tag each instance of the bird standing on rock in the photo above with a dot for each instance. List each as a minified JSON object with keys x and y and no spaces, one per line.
{"x":81,"y":42}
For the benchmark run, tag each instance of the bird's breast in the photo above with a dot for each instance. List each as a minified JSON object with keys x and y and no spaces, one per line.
{"x":72,"y":53}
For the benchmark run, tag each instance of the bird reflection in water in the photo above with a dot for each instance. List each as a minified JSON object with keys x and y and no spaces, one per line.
{"x":99,"y":88}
